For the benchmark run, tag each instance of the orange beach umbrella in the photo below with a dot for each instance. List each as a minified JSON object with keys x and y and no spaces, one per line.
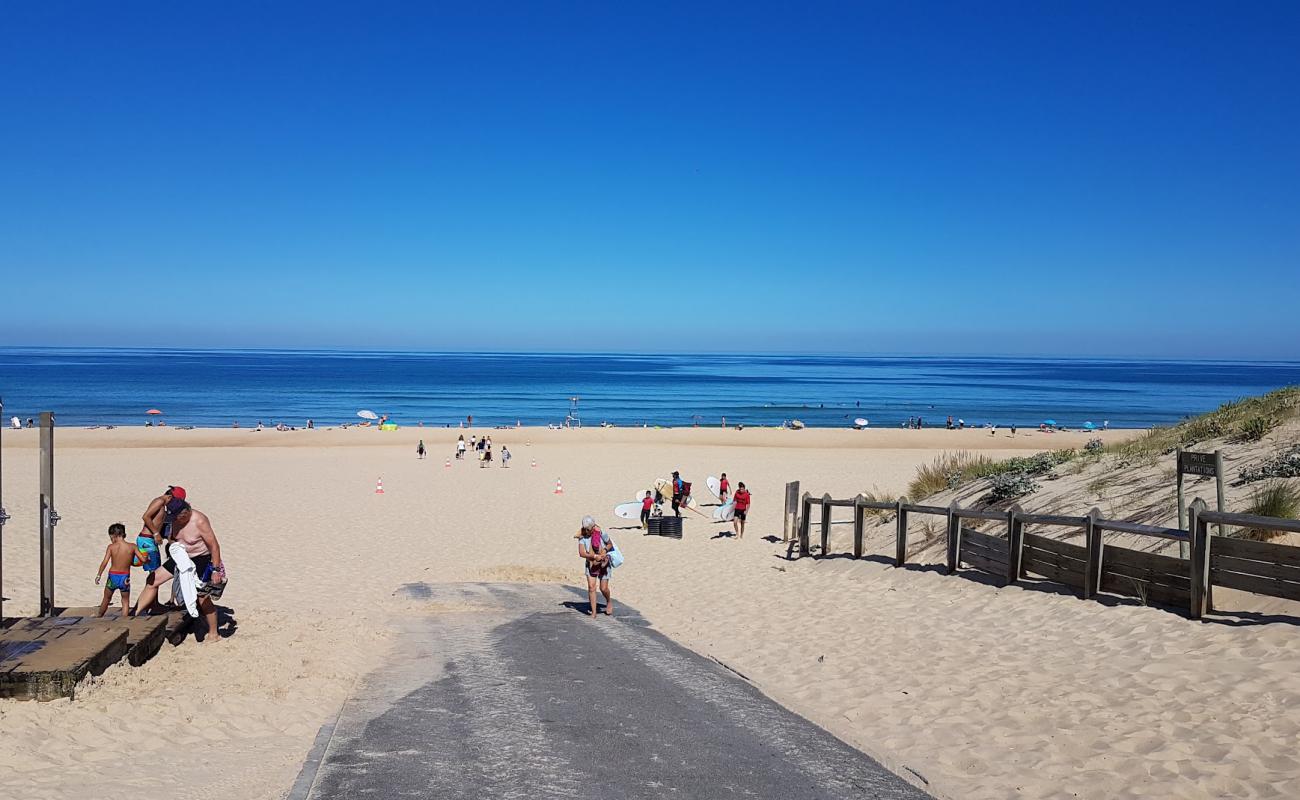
{"x":153,"y":411}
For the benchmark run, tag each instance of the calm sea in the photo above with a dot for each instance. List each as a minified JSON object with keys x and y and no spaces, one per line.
{"x":217,"y":387}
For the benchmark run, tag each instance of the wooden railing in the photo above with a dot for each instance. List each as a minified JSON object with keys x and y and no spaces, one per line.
{"x":1260,"y":567}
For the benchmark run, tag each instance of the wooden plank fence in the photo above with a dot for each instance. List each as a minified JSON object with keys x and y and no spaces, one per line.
{"x":1260,"y":567}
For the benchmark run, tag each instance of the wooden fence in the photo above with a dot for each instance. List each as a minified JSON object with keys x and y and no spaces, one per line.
{"x":1260,"y":567}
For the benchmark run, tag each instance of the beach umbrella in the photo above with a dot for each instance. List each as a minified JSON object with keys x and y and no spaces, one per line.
{"x":153,"y":412}
{"x":1087,"y":426}
{"x":1051,"y":423}
{"x":366,"y":413}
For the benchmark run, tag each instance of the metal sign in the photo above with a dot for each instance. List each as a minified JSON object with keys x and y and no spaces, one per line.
{"x":1197,"y":464}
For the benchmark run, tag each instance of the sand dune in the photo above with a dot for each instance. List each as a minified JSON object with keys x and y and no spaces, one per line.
{"x":983,"y":692}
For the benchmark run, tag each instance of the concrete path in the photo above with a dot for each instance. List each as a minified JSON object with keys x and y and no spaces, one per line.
{"x":511,"y":691}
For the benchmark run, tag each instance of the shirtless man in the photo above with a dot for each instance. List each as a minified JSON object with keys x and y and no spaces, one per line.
{"x":192,"y":529}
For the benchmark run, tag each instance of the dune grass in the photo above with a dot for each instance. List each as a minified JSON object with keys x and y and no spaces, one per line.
{"x":1248,"y":419}
{"x":1278,"y":498}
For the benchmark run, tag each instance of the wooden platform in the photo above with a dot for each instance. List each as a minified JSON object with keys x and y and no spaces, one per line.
{"x":44,"y":658}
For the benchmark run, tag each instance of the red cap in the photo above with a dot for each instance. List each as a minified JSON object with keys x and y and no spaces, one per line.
{"x":177,"y":492}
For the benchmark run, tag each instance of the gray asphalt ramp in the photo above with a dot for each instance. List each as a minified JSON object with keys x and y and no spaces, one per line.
{"x":511,"y":691}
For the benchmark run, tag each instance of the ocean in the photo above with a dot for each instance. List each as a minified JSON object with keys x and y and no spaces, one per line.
{"x":217,"y":387}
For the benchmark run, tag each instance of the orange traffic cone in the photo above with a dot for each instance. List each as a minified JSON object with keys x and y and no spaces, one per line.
{"x":534,"y":463}
{"x":379,"y":486}
{"x":559,"y":487}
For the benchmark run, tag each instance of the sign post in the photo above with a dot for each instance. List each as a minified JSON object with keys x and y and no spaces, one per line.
{"x":1203,"y":465}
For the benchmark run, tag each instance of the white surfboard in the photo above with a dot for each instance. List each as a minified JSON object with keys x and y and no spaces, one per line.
{"x":715,"y":486}
{"x":630,"y":510}
{"x":725,"y":513}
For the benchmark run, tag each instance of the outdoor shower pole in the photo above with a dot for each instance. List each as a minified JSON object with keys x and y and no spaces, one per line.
{"x":4,"y":516}
{"x":49,"y":517}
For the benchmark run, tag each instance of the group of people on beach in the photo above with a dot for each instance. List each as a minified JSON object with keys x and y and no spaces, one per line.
{"x":176,"y":544}
{"x":481,"y":447}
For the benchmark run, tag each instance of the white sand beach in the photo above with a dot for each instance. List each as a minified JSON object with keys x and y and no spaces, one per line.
{"x":970,"y":690}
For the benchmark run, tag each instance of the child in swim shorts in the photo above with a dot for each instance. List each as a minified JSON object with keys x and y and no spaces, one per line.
{"x":118,"y":557}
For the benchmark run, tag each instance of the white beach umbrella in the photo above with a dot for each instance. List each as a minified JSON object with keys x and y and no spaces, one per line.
{"x":366,"y":413}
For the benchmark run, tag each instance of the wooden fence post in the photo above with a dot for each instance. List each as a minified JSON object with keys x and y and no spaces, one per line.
{"x":859,"y":522}
{"x":900,"y":539}
{"x":826,"y":524}
{"x":1015,"y":543}
{"x":1092,"y":540}
{"x":1200,"y":557}
{"x":954,"y":537}
{"x":805,"y":508}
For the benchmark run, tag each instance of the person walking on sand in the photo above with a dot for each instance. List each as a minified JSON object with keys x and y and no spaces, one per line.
{"x":460,"y":448}
{"x":505,"y":456}
{"x":193,"y":530}
{"x":117,"y":558}
{"x":724,"y":488}
{"x":419,"y":449}
{"x":646,"y":503}
{"x":677,"y":493}
{"x":741,"y":510}
{"x":593,"y":548}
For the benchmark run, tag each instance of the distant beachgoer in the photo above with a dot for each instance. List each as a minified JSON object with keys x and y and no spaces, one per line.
{"x":473,"y":442}
{"x":993,"y":430}
{"x":950,"y":422}
{"x":30,"y":423}
{"x":920,"y":423}
{"x":1013,"y":430}
{"x":1105,"y":424}
{"x":310,"y":424}
{"x":460,"y":447}
{"x":487,"y":456}
{"x":593,"y":548}
{"x":961,"y":424}
{"x":15,"y":423}
{"x":235,"y":424}
{"x":741,"y":510}
{"x":469,"y":421}
{"x":646,"y":503}
{"x":117,"y":557}
{"x":505,"y":456}
{"x":724,"y":488}
{"x":419,"y":449}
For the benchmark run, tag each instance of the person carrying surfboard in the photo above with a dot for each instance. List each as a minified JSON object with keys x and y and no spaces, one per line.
{"x":724,"y":488}
{"x":646,"y":503}
{"x":742,"y":510}
{"x":678,"y":494}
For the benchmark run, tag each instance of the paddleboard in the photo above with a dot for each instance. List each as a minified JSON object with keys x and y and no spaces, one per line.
{"x":715,"y":486}
{"x":630,"y":510}
{"x":725,"y":513}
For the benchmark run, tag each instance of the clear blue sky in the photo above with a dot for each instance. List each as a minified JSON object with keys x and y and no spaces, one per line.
{"x":1054,"y":178}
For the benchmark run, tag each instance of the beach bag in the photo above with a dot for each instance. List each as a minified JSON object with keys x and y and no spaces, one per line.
{"x":615,"y":555}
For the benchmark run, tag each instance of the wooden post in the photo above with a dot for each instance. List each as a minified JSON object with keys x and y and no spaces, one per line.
{"x":49,"y":517}
{"x":1218,"y":484}
{"x":900,"y":540}
{"x":805,"y":508}
{"x":859,"y":523}
{"x":826,"y":524}
{"x":1200,"y":560}
{"x":1015,"y":543}
{"x":1182,"y":507}
{"x":954,"y":537}
{"x":1092,"y":540}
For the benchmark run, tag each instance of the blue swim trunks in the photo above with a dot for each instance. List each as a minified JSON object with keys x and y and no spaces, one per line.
{"x":119,"y":581}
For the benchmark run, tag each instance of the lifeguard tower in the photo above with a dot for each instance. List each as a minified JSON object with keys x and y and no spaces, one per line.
{"x":573,"y":420}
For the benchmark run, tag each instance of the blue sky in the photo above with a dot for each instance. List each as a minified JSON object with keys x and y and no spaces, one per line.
{"x":1042,"y":178}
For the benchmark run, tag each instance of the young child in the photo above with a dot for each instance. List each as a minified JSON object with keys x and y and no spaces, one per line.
{"x":724,"y":488}
{"x":117,"y":557}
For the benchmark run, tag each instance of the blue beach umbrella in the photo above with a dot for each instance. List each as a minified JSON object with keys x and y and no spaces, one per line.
{"x":1087,"y":426}
{"x":1050,"y":423}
